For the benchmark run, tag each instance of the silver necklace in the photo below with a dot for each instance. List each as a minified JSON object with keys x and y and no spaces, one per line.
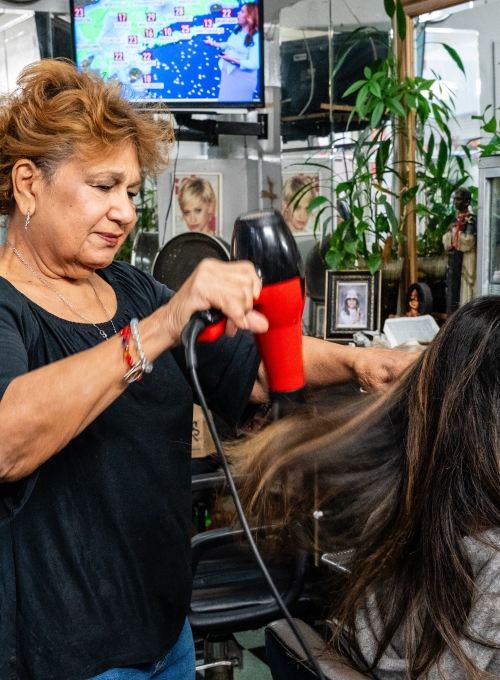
{"x":82,"y":316}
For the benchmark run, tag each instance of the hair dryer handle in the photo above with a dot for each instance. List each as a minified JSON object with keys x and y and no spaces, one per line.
{"x":216,"y":325}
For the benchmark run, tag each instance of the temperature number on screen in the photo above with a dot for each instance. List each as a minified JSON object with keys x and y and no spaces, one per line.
{"x":122,"y":16}
{"x":208,"y":23}
{"x":133,"y":39}
{"x":178,"y":11}
{"x":79,"y":12}
{"x":168,"y":31}
{"x":226,"y":13}
{"x":185,"y":28}
{"x":147,"y":78}
{"x":118,"y":56}
{"x":149,"y":33}
{"x":147,"y":56}
{"x":150,"y":16}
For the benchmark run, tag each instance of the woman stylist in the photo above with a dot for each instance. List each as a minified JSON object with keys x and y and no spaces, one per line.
{"x":95,"y":464}
{"x":240,"y":61}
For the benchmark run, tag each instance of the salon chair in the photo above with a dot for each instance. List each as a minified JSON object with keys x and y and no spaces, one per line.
{"x":285,"y":655}
{"x":229,"y":592}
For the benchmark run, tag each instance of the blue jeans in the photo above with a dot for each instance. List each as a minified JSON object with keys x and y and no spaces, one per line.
{"x":177,"y":664}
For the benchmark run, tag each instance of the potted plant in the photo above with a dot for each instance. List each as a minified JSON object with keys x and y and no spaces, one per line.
{"x":372,"y":231}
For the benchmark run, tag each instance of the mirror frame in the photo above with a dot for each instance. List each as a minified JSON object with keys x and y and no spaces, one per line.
{"x":415,"y":7}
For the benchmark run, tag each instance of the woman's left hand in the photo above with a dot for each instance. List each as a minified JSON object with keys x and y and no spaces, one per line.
{"x":375,"y":369}
{"x":327,"y":364}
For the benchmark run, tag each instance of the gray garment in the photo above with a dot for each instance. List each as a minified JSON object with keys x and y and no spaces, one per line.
{"x":484,"y":622}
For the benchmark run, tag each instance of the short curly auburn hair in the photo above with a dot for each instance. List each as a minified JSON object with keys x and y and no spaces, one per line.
{"x":57,"y":112}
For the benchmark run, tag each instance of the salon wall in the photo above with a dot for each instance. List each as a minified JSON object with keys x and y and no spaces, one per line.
{"x":240,"y":179}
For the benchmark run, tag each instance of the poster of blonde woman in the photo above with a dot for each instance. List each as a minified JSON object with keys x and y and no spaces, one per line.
{"x":197,"y":203}
{"x":297,"y":192}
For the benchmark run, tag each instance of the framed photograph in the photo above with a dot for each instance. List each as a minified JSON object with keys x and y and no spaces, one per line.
{"x":197,"y":204}
{"x":352,"y":303}
{"x":317,"y":318}
{"x":304,"y":186}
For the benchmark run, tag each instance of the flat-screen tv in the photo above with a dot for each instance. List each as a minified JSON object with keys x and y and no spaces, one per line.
{"x":194,"y":54}
{"x":305,"y":80}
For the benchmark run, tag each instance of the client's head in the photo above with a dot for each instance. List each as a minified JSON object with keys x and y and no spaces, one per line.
{"x":402,"y":478}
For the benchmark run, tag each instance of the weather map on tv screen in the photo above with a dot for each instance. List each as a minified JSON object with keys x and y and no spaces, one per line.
{"x":175,"y":51}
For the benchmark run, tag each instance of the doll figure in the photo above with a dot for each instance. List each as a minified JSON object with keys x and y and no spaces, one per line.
{"x":460,"y":243}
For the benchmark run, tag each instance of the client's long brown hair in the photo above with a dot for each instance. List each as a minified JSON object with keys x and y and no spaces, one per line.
{"x":402,"y":479}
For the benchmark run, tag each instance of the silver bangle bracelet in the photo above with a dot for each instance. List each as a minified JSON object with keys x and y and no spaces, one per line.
{"x":146,"y":365}
{"x":134,"y":373}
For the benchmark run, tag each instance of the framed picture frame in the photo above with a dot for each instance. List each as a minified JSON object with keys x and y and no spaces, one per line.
{"x":197,"y":203}
{"x":303,"y":185}
{"x":352,"y":303}
{"x":317,"y":318}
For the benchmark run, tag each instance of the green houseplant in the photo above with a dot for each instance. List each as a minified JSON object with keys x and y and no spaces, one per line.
{"x":371,"y":230}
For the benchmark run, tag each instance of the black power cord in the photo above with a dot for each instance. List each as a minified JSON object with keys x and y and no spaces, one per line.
{"x":192,"y":330}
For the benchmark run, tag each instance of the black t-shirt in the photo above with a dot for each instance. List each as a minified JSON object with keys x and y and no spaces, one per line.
{"x":95,"y":566}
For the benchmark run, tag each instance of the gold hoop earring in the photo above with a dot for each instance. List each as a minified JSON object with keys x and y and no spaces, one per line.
{"x":28,"y":218}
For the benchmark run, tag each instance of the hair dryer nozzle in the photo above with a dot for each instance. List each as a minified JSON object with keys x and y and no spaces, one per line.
{"x":263,"y":238}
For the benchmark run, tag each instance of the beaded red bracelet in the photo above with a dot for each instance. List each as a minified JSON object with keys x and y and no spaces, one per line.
{"x":125,"y":336}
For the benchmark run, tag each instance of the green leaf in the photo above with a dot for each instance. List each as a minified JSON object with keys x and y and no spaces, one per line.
{"x":430,"y":149}
{"x":491,"y":125}
{"x":461,"y":165}
{"x":340,"y":62}
{"x":410,"y":100}
{"x":467,"y":152}
{"x":391,"y":216}
{"x":374,"y":262}
{"x":377,"y":114}
{"x":368,"y":73}
{"x":342,"y":187}
{"x":423,"y":210}
{"x":396,"y":107}
{"x":354,"y":87}
{"x":317,"y":201}
{"x":438,"y":117}
{"x":455,"y":56}
{"x":333,"y":259}
{"x":351,"y":247}
{"x":361,"y":99}
{"x":357,"y":211}
{"x":401,"y":19}
{"x":381,"y":159}
{"x":390,"y":7}
{"x":442,"y":159}
{"x":375,"y":89}
{"x":409,"y":195}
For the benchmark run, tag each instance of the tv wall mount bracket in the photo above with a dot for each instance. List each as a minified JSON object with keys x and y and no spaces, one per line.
{"x":208,"y":130}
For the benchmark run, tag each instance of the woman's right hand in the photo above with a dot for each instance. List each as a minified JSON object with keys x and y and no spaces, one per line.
{"x":230,"y":287}
{"x":211,"y":42}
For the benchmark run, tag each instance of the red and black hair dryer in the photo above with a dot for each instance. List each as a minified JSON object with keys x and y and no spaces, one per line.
{"x":263,"y":238}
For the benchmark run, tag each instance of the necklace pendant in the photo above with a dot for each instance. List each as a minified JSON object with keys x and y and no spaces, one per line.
{"x":104,"y":335}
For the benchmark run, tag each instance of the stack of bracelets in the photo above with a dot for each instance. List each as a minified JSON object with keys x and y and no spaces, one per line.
{"x":142,"y":365}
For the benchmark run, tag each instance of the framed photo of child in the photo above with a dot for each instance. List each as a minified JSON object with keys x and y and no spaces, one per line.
{"x":298,"y":190}
{"x":197,"y":204}
{"x":352,"y":303}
